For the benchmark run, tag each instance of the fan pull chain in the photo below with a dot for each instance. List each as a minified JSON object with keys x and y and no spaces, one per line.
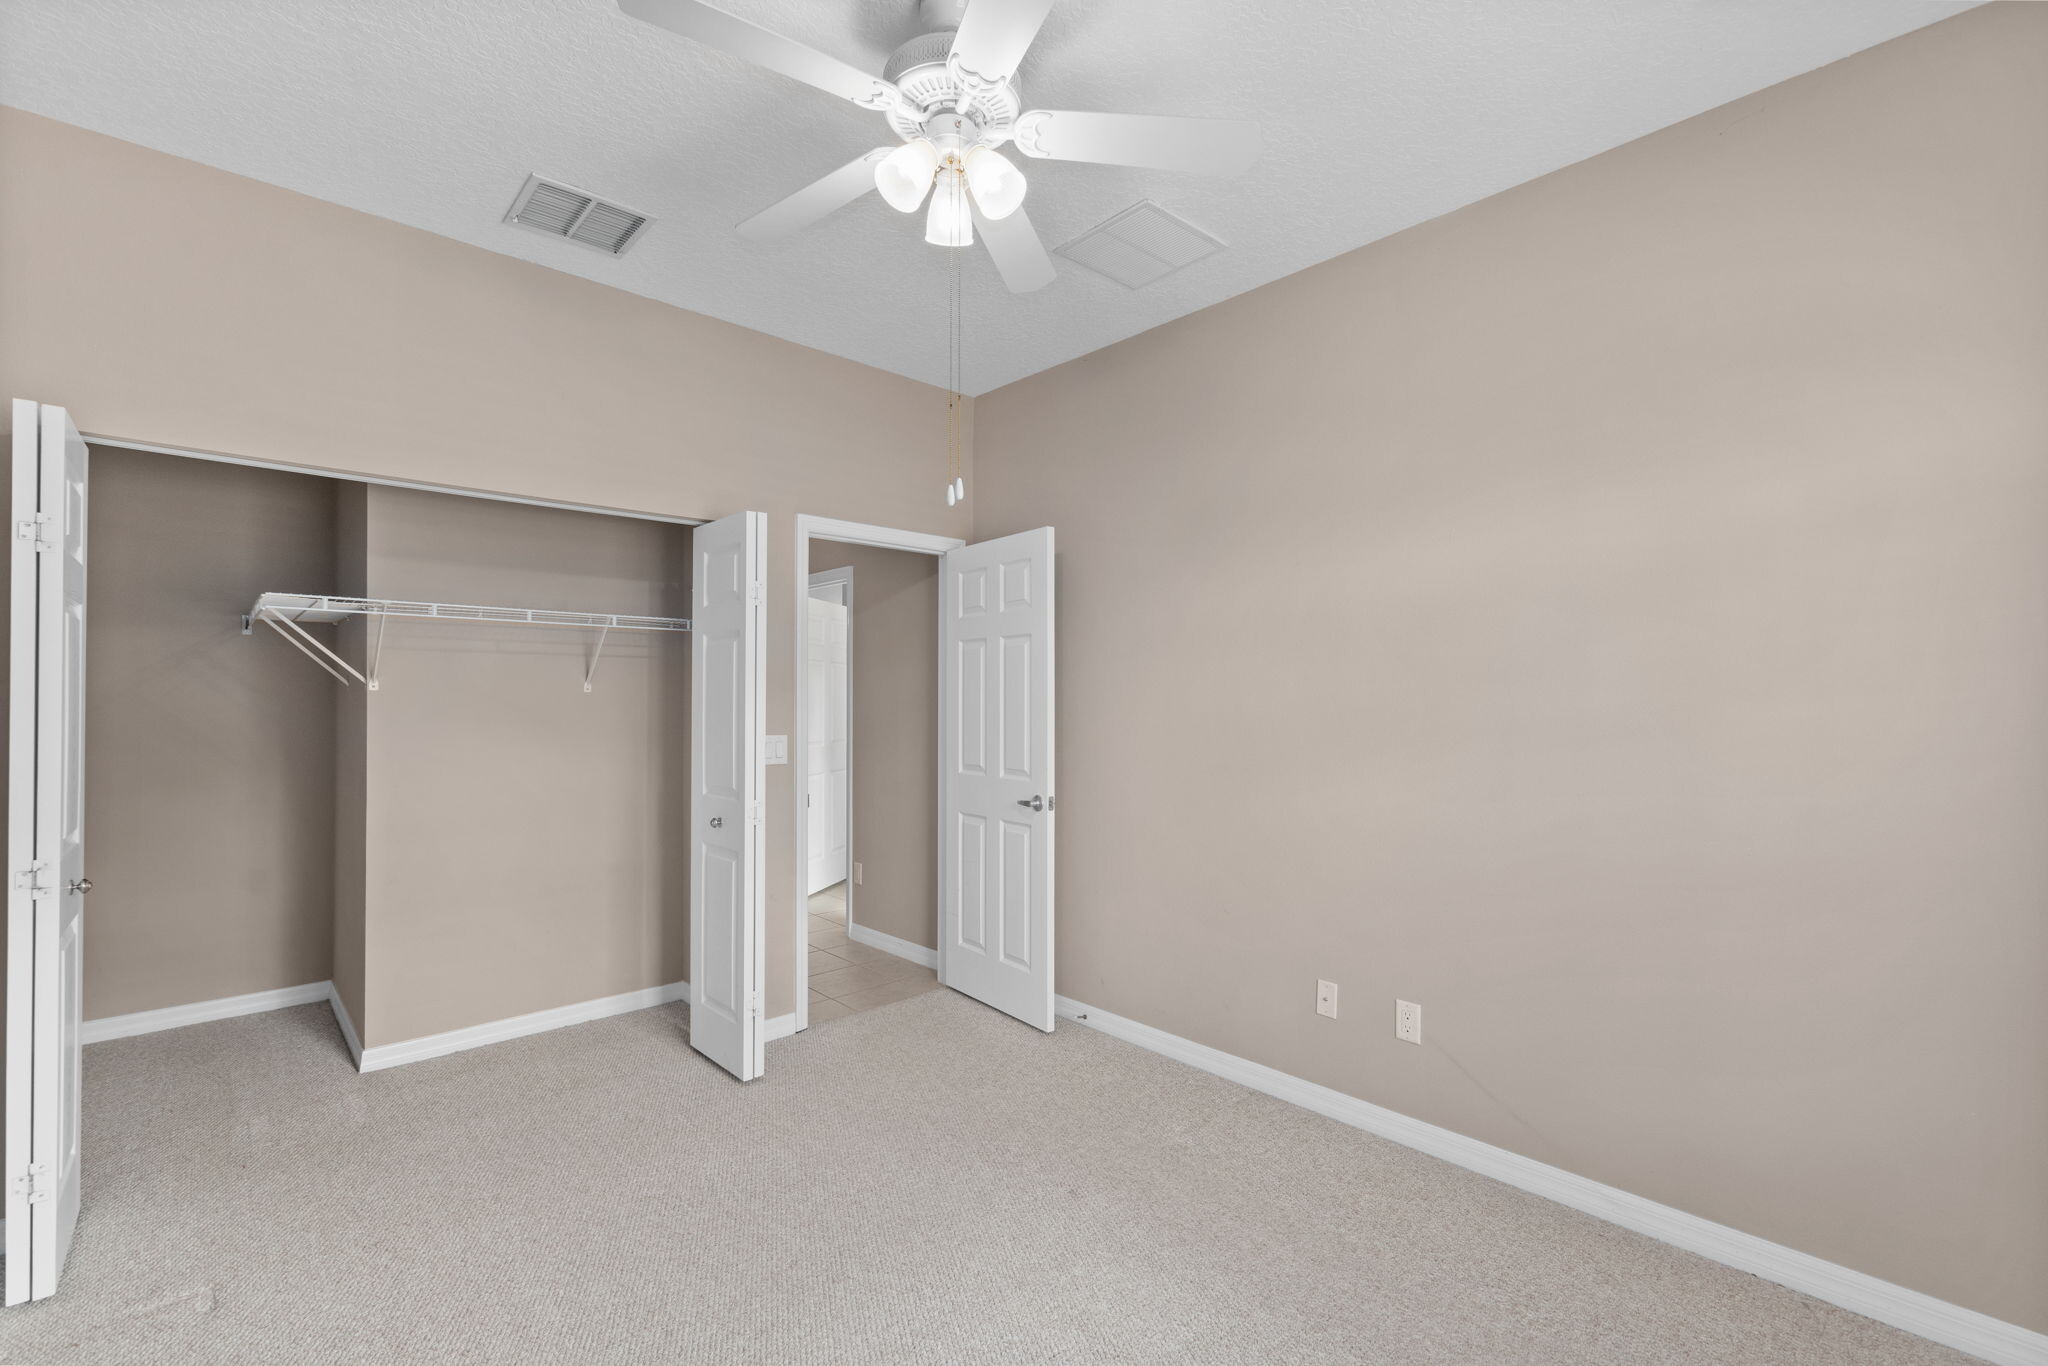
{"x":956,"y":486}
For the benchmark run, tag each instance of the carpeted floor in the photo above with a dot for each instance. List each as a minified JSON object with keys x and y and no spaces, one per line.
{"x":924,"y":1182}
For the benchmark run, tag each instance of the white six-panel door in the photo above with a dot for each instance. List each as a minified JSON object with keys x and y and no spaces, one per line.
{"x":727,"y":675}
{"x":996,"y":759}
{"x":46,"y":847}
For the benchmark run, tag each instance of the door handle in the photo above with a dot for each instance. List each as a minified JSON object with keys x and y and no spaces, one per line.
{"x":1036,"y":803}
{"x":81,"y":886}
{"x":717,"y":822}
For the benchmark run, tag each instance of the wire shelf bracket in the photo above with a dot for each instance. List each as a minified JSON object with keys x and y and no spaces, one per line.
{"x":289,"y":614}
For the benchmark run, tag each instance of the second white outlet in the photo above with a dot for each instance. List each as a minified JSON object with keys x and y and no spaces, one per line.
{"x":1408,"y":1022}
{"x":1326,"y":999}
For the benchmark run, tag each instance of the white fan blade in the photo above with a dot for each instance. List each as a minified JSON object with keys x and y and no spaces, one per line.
{"x":787,"y":217}
{"x":716,"y":28}
{"x":994,"y":33}
{"x":1209,"y":146}
{"x":1013,"y":245}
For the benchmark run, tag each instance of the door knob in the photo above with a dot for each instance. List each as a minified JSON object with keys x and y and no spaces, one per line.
{"x":1036,"y":803}
{"x":717,"y":822}
{"x":82,"y":886}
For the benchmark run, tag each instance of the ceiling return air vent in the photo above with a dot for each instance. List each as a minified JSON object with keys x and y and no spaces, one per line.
{"x":1142,"y":244}
{"x":562,"y":211}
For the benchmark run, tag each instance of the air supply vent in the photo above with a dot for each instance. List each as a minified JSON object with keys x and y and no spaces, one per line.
{"x":1142,"y":244}
{"x":561,"y":211}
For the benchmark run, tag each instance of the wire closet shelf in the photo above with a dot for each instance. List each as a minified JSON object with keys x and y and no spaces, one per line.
{"x":290,"y":613}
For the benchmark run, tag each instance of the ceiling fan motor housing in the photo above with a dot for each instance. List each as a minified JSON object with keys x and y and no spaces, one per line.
{"x":929,"y":86}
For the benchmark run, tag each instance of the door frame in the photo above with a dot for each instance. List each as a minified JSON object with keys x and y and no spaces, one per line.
{"x":809,"y":528}
{"x":843,"y":577}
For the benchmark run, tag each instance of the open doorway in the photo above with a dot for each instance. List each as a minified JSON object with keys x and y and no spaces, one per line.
{"x":870,"y":937}
{"x":870,"y":746}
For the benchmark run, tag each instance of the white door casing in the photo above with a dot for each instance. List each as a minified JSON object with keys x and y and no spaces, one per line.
{"x":728,"y":675}
{"x":996,"y":767}
{"x":827,"y":766}
{"x":46,"y":847}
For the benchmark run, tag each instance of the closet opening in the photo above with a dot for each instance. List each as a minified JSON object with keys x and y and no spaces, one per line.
{"x":421,"y":754}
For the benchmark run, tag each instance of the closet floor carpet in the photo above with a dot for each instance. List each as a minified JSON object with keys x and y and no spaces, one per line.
{"x":924,"y":1182}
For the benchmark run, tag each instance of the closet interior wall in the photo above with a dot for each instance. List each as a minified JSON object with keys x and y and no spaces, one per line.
{"x":510,"y":843}
{"x":209,"y":760}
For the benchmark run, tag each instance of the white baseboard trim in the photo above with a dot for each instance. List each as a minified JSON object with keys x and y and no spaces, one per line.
{"x":1951,"y":1325}
{"x":199,"y":1012}
{"x":517,"y":1027}
{"x":889,"y":943}
{"x":348,"y":1026}
{"x":778,"y":1027}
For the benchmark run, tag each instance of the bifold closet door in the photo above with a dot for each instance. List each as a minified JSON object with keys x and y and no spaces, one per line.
{"x":728,"y":675}
{"x":995,"y":756}
{"x":46,"y":883}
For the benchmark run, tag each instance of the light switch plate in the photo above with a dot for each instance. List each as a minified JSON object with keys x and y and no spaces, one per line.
{"x":776,"y":748}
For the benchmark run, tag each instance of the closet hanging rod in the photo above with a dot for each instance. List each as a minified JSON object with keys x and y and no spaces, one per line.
{"x":316,"y":609}
{"x":284,"y":613}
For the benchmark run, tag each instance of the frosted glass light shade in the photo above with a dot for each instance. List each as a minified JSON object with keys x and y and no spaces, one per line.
{"x":997,"y":185}
{"x":949,"y":224}
{"x":905,"y":174}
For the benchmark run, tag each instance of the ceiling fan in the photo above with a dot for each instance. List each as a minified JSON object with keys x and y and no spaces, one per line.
{"x":950,"y":95}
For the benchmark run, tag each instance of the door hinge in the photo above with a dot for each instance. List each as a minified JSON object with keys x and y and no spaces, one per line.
{"x":39,"y":529}
{"x":30,"y":880}
{"x":754,"y":1004}
{"x":754,"y":812}
{"x":33,"y":1185}
{"x":753,"y":592}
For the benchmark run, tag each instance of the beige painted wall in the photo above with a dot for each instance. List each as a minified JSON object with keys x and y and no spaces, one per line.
{"x":165,"y":301}
{"x":1614,"y":616}
{"x":196,"y":899}
{"x":894,"y":668}
{"x":526,"y":842}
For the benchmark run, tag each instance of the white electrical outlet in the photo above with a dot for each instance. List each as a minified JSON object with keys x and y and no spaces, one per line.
{"x":1408,"y":1022}
{"x":1326,"y":999}
{"x":856,"y":874}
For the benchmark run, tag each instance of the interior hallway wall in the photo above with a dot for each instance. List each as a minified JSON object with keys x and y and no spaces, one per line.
{"x":1614,"y":616}
{"x":209,"y":766}
{"x":168,"y":302}
{"x":894,"y":672}
{"x":525,"y":842}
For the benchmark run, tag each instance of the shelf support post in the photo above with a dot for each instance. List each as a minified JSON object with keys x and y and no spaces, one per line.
{"x":308,"y":646}
{"x":591,"y":672}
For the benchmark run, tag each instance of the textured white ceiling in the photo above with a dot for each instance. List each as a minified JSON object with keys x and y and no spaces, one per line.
{"x":1378,"y":114}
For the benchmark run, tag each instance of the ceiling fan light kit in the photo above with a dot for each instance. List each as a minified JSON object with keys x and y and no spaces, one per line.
{"x":950,"y":95}
{"x":949,"y":224}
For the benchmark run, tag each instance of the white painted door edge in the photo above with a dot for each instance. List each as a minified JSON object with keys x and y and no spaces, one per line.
{"x":889,"y":943}
{"x":842,"y":579}
{"x":200,"y":1012}
{"x":850,"y":533}
{"x":1951,"y":1325}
